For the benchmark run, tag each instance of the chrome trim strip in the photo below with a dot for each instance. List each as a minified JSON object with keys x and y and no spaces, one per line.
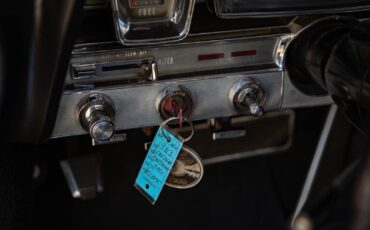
{"x":135,"y":104}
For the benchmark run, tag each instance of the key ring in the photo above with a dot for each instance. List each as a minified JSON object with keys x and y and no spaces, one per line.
{"x":164,"y":124}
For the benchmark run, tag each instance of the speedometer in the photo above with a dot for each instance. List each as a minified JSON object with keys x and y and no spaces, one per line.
{"x":151,"y":21}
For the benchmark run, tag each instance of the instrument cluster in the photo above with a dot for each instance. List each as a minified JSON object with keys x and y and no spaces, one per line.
{"x":151,"y":21}
{"x":143,"y":22}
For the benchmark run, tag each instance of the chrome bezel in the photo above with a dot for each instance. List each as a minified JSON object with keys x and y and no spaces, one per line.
{"x":178,"y":15}
{"x":278,"y":13}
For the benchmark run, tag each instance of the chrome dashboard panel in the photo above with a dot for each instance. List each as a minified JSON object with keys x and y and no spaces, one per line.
{"x":294,"y":98}
{"x":135,"y":104}
{"x":207,"y":65}
{"x":183,"y":58}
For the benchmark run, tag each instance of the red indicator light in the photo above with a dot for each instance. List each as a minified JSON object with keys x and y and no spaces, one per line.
{"x":204,"y":57}
{"x":133,"y":3}
{"x":244,"y":53}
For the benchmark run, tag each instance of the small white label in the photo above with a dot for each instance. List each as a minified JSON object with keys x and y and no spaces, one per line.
{"x":166,"y":61}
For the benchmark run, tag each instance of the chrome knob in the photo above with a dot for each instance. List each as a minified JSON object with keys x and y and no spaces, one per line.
{"x":97,"y":117}
{"x":256,"y":110}
{"x":248,"y":95}
{"x":102,"y":129}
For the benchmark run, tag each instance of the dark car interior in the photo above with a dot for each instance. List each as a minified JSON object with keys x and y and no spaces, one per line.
{"x":185,"y":114}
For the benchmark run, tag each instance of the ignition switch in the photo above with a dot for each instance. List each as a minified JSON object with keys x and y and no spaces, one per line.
{"x":174,"y":101}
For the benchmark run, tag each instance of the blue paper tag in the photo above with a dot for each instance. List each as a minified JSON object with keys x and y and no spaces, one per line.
{"x":158,"y":163}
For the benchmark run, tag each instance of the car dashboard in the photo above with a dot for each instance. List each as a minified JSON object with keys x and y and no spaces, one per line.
{"x":259,"y":106}
{"x":210,"y":64}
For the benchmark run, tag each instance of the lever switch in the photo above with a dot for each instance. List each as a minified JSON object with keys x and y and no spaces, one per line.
{"x":248,"y":95}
